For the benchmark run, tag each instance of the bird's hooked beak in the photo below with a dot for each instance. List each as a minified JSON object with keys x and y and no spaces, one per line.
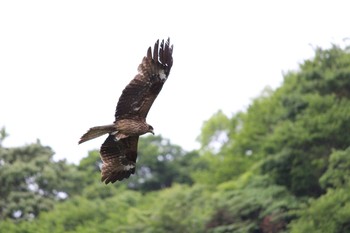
{"x":151,"y":131}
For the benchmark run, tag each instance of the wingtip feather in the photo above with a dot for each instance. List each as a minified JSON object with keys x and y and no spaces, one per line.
{"x":149,"y":53}
{"x":155,"y":51}
{"x":165,"y":55}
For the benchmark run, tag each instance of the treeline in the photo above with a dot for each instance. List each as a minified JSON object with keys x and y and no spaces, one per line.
{"x":283,"y":165}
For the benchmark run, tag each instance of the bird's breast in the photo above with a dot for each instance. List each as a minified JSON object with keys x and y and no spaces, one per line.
{"x":131,"y":127}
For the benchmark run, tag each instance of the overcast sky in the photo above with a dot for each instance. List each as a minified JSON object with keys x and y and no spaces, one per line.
{"x":64,"y":64}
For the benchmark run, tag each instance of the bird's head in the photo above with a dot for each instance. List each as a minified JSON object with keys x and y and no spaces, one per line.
{"x":150,"y":129}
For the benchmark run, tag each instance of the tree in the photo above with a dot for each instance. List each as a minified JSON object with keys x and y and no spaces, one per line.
{"x":179,"y":209}
{"x":3,"y":135}
{"x":214,"y":132}
{"x":328,"y":214}
{"x":32,"y":182}
{"x":219,"y":161}
{"x":338,"y":172}
{"x":160,"y":164}
{"x":252,"y":208}
{"x":314,"y":120}
{"x":331,"y":212}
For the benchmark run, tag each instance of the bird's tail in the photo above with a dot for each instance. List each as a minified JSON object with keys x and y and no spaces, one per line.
{"x":97,"y":131}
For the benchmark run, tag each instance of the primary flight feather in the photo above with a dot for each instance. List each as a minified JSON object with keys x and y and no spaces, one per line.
{"x":119,"y":151}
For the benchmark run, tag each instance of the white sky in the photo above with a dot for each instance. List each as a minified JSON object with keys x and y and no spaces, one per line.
{"x":63,"y":64}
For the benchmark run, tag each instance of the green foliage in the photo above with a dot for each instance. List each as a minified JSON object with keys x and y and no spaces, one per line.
{"x":219,"y":162}
{"x":3,"y":135}
{"x":90,"y":166}
{"x":214,"y":132}
{"x":215,"y":169}
{"x":160,"y":164}
{"x":328,"y":214}
{"x":250,"y":129}
{"x":32,"y":182}
{"x":338,"y":172}
{"x":314,"y":121}
{"x":178,"y":209}
{"x":252,"y":208}
{"x":83,"y":215}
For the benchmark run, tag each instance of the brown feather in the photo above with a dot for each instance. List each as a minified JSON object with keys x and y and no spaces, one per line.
{"x":139,"y":95}
{"x":156,"y":51}
{"x":119,"y":158}
{"x":97,"y":131}
{"x":149,"y":53}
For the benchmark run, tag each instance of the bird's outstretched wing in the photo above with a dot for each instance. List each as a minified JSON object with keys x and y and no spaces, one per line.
{"x":139,"y":95}
{"x":119,"y":158}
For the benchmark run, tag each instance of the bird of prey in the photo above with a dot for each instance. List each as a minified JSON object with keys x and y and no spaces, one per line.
{"x":119,"y":151}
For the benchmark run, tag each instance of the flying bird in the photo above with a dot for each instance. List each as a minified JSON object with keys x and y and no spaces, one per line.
{"x":119,"y":151}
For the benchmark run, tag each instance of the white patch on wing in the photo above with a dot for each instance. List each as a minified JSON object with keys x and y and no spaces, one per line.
{"x":136,"y":106}
{"x":162,"y":75}
{"x":114,"y":133}
{"x":129,"y":167}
